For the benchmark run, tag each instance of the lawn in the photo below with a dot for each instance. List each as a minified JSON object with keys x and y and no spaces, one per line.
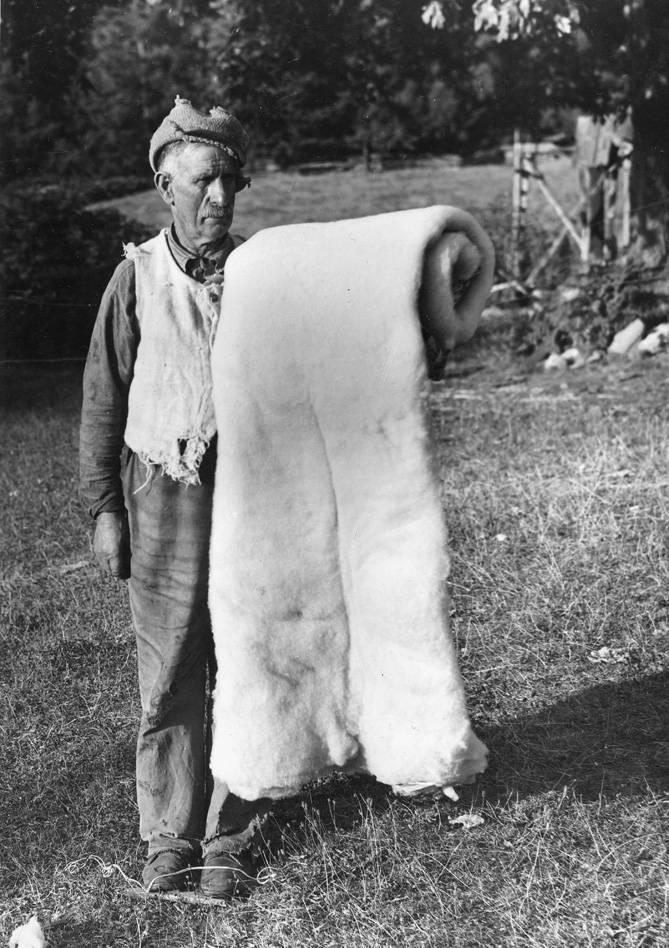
{"x":289,"y":197}
{"x":556,"y":495}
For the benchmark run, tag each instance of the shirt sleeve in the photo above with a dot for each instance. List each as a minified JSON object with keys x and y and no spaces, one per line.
{"x":107,"y":377}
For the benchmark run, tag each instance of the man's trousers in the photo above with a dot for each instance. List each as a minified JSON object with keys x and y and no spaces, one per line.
{"x":180,"y":805}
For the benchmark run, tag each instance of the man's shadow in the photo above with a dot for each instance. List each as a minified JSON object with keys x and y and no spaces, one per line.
{"x":605,"y":741}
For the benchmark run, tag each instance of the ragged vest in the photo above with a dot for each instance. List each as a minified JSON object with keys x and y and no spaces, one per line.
{"x":170,"y":411}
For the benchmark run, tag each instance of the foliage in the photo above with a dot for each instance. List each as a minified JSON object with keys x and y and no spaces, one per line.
{"x":623,"y":44}
{"x":613,"y":56}
{"x":42,"y":45}
{"x":139,"y":57}
{"x":313,"y":80}
{"x":329,"y":78}
{"x":510,"y":19}
{"x":274,"y":51}
{"x":85,"y":82}
{"x":28,"y":127}
{"x":111,"y":186}
{"x":595,"y":307}
{"x":57,"y":258}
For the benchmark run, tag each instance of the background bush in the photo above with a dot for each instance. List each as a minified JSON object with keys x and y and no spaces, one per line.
{"x":56,"y":261}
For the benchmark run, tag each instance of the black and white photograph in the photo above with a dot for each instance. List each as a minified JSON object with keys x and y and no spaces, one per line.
{"x":334,"y":391}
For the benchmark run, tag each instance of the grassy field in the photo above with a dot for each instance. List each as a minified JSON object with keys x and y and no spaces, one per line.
{"x":556,"y":496}
{"x":289,"y":197}
{"x":285,"y":198}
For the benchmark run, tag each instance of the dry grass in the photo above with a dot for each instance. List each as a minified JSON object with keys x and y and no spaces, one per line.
{"x":557,"y":504}
{"x":555,"y":491}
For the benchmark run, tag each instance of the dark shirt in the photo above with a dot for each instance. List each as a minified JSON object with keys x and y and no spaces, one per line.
{"x":108,"y":375}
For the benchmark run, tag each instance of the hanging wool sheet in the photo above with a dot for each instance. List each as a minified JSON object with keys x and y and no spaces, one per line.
{"x":329,"y":552}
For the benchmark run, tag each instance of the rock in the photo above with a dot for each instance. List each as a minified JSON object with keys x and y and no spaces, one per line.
{"x":609,"y":656}
{"x":569,"y":294}
{"x":627,"y":337}
{"x":555,"y":362}
{"x":656,"y":341}
{"x":494,"y":312}
{"x":467,"y":820}
{"x":573,"y":358}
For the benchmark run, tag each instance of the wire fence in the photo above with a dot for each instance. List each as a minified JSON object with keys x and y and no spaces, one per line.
{"x":46,"y":361}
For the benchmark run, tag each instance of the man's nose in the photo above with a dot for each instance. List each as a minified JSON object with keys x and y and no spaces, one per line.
{"x":220,"y":190}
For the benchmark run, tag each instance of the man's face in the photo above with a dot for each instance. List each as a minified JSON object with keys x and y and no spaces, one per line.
{"x":199,"y":185}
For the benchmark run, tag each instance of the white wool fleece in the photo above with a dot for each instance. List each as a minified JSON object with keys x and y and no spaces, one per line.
{"x":328,"y":555}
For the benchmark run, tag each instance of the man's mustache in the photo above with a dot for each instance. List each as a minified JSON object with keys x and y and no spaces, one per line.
{"x":218,"y":211}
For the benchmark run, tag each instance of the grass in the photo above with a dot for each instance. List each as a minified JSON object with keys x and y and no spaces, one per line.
{"x":555,"y":491}
{"x":288,"y":197}
{"x":285,"y":198}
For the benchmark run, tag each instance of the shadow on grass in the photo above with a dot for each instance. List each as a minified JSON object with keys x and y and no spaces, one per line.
{"x":75,"y":934}
{"x":605,"y":741}
{"x":341,"y":802}
{"x":610,"y":739}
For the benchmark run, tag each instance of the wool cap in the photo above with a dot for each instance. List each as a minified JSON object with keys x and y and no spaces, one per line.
{"x":185,"y":123}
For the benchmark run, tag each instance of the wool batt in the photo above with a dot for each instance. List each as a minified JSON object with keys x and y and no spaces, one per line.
{"x":329,"y":551}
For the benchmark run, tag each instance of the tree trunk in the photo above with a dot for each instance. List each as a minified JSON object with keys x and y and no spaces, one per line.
{"x":650,"y":186}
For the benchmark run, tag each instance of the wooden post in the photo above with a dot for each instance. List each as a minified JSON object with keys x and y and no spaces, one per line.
{"x":624,"y":185}
{"x":609,"y":195}
{"x":585,"y":244}
{"x":586,"y":235}
{"x":593,"y":181}
{"x":515,"y":205}
{"x":525,"y":175}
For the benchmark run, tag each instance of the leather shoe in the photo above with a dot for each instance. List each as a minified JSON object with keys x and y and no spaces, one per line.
{"x":226,"y":875}
{"x":167,"y":870}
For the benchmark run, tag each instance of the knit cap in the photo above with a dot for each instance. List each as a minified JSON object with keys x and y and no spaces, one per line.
{"x":185,"y":123}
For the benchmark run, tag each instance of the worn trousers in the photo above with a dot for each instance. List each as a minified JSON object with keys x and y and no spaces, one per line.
{"x":180,"y":805}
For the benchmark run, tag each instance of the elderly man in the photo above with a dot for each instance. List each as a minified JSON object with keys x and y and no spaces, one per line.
{"x":148,"y":445}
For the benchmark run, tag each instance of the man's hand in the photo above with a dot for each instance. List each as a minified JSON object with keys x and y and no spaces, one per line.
{"x":111,"y":544}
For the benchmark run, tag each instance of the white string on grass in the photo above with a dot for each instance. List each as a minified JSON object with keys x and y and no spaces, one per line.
{"x":264,"y":877}
{"x":107,"y":869}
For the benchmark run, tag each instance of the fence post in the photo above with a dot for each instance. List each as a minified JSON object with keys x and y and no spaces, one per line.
{"x":624,"y":184}
{"x":515,"y":204}
{"x":609,"y":198}
{"x":586,"y":233}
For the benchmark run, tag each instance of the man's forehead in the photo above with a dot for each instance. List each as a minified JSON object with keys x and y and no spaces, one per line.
{"x":199,"y":156}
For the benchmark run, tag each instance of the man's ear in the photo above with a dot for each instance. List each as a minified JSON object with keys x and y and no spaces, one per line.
{"x":163,"y":183}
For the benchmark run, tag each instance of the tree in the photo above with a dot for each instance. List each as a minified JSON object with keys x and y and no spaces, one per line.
{"x":318,"y":78}
{"x":42,"y":44}
{"x":139,"y":56}
{"x":279,"y":68}
{"x":43,"y":41}
{"x":312,"y":77}
{"x":601,"y":56}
